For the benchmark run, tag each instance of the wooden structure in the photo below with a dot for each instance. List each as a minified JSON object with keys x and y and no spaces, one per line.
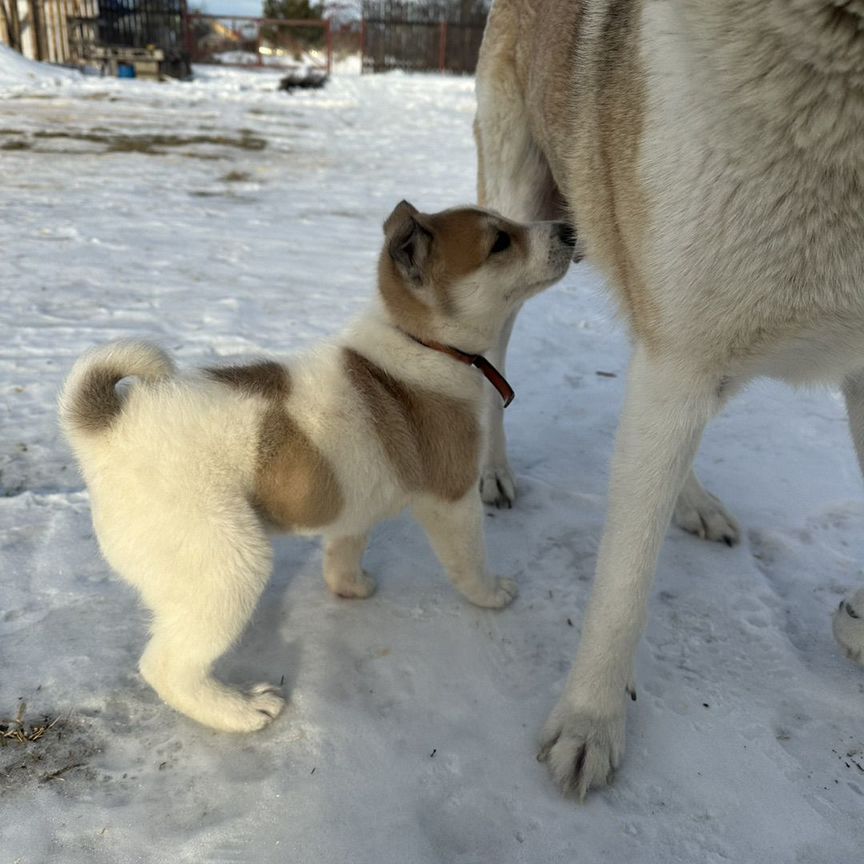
{"x":102,"y":33}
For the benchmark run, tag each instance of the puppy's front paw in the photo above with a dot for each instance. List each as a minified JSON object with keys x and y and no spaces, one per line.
{"x":352,"y":586}
{"x":497,"y":486}
{"x":848,"y":626}
{"x":506,"y":591}
{"x":500,"y":593}
{"x":582,"y":748}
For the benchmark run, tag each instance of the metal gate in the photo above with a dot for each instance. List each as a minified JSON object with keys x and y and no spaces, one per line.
{"x":138,"y":23}
{"x":65,"y":31}
{"x":422,"y":35}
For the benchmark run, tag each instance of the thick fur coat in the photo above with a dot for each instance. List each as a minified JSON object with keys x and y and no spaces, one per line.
{"x":711,"y":153}
{"x":189,"y":472}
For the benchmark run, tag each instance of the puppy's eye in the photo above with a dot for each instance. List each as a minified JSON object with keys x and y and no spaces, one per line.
{"x":502,"y":242}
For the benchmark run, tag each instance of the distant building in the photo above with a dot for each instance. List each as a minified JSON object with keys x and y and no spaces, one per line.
{"x":78,"y":32}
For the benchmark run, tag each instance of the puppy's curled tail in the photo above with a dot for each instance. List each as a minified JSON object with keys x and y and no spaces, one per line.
{"x":89,"y":402}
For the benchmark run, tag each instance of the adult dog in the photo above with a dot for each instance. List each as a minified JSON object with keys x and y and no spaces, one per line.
{"x":711,"y":153}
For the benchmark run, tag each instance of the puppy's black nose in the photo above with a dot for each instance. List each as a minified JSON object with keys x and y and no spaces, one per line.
{"x":565,"y":233}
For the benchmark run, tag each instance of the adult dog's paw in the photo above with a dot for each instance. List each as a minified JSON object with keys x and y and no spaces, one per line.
{"x":582,"y":748}
{"x":497,"y":486}
{"x":848,"y":626}
{"x":704,"y":515}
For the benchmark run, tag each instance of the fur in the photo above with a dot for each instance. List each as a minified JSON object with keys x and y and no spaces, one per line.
{"x":189,"y":471}
{"x":710,"y":153}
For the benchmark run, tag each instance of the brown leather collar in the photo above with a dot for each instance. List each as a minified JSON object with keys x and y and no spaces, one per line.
{"x":478,"y":361}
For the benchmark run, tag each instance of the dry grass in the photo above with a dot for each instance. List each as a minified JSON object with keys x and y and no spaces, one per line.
{"x":237,"y":177}
{"x":120,"y":142}
{"x":41,"y":751}
{"x":21,"y":732}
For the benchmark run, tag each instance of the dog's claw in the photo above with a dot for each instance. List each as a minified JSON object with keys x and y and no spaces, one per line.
{"x":581,"y":748}
{"x":700,"y":513}
{"x":497,"y":486}
{"x":848,"y":625}
{"x":543,"y":753}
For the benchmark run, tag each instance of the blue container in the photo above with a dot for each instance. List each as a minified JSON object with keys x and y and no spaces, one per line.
{"x":125,"y":70}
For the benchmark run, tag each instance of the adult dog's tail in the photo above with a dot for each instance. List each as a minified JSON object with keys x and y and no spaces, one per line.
{"x":89,"y":402}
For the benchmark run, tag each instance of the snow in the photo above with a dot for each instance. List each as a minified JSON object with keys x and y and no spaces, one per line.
{"x":222,"y":217}
{"x":306,"y":60}
{"x":17,"y":71}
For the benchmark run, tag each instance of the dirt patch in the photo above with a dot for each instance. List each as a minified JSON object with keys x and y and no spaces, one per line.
{"x":237,"y":177}
{"x":43,"y":750}
{"x":33,"y":97}
{"x":154,"y":143}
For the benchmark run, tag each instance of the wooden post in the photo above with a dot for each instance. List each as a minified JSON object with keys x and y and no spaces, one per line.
{"x":14,"y":26}
{"x":442,"y":47}
{"x":362,"y":45}
{"x":35,"y":30}
{"x":329,"y":25}
{"x":49,"y":11}
{"x":186,"y":29}
{"x":64,"y":30}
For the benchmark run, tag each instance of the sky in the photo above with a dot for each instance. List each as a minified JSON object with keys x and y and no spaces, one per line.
{"x":234,"y":7}
{"x":247,"y":7}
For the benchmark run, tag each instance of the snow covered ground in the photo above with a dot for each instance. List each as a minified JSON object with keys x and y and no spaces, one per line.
{"x":223,"y":218}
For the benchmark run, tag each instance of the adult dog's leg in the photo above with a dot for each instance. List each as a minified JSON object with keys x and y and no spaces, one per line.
{"x":497,"y":484}
{"x":513,"y":178}
{"x":849,"y":617}
{"x":662,"y":422}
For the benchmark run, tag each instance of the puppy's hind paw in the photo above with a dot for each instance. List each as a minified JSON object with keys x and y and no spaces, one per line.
{"x":252,"y":711}
{"x":267,"y":699}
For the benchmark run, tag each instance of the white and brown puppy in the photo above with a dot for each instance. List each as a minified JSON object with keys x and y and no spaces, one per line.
{"x":188,"y":472}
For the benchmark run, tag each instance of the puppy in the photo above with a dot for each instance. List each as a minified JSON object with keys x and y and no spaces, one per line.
{"x":188,"y":472}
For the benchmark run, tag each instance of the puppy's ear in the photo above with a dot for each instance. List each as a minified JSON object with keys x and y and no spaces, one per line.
{"x":403,"y":210}
{"x":408,"y":242}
